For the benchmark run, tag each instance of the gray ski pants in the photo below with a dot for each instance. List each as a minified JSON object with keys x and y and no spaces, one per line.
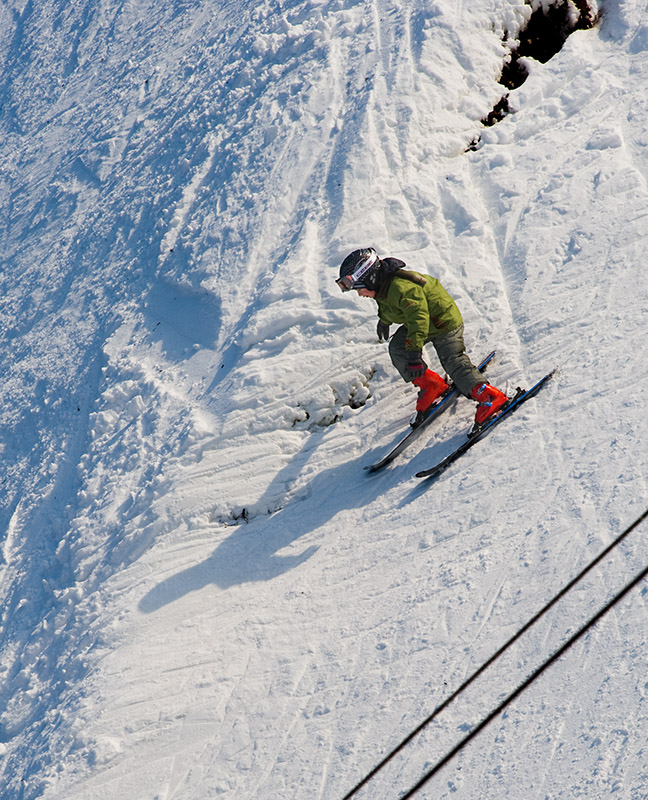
{"x":451,"y":351}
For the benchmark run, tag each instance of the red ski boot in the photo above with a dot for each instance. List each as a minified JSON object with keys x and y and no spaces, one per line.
{"x":431,"y":386}
{"x":489,"y":400}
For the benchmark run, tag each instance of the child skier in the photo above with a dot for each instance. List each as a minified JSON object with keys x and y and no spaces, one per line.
{"x":426,"y":313}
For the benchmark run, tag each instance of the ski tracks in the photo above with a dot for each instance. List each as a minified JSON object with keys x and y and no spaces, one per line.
{"x":434,"y":214}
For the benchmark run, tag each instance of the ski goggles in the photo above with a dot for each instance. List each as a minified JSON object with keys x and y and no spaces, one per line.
{"x":354,"y":281}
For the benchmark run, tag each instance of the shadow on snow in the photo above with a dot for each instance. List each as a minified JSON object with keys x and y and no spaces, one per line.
{"x":252,"y":552}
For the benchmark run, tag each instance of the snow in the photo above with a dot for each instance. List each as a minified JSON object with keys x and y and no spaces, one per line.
{"x":203,"y":593}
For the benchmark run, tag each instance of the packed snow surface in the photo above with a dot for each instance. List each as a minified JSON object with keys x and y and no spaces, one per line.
{"x":203,"y":593}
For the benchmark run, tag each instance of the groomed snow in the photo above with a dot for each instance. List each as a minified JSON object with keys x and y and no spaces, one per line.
{"x":203,"y":593}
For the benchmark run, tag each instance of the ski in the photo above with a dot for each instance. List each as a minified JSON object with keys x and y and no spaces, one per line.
{"x":475,"y":435}
{"x":441,"y":405}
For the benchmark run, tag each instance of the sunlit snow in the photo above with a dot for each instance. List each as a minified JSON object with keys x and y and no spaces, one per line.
{"x":204,"y":595}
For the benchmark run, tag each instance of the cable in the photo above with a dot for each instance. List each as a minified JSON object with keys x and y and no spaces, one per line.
{"x":525,"y":685}
{"x":494,"y":657}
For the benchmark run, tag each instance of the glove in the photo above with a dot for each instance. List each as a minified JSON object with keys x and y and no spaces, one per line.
{"x":383,"y":331}
{"x":415,"y":367}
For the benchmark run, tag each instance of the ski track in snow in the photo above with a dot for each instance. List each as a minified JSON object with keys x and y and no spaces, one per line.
{"x":204,"y":595}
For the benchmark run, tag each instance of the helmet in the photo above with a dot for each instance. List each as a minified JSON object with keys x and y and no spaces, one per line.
{"x":358,"y":270}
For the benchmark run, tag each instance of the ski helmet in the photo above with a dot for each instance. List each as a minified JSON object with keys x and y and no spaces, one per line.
{"x":358,"y":270}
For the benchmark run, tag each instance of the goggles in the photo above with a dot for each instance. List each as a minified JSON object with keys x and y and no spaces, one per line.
{"x":349,"y":282}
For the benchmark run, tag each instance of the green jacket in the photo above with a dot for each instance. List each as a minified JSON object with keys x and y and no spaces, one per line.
{"x":427,"y":311}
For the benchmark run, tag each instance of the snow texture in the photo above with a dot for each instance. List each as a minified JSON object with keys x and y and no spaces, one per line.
{"x":203,"y":593}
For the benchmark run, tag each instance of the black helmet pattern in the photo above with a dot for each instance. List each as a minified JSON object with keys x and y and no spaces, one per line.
{"x":358,"y":270}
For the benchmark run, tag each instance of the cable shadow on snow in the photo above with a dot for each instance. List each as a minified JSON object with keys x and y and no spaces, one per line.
{"x":252,"y":552}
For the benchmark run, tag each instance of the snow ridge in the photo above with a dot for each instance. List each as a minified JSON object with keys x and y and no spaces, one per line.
{"x":203,"y":593}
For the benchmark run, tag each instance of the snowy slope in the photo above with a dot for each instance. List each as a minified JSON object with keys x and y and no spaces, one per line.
{"x":203,"y":593}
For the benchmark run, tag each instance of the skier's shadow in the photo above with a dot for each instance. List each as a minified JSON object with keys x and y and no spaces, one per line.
{"x":252,"y":551}
{"x":433,"y":453}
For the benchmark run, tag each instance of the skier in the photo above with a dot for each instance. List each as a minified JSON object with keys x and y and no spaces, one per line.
{"x":426,"y":313}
